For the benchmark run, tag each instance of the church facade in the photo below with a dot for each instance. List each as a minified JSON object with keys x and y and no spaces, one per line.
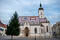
{"x":35,"y":25}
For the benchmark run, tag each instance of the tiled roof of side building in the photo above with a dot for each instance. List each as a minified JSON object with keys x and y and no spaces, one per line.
{"x":2,"y":25}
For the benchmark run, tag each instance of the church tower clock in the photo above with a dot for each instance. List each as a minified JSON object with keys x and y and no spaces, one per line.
{"x":41,"y":11}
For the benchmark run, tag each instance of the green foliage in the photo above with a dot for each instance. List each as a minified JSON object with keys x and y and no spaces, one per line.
{"x":13,"y":26}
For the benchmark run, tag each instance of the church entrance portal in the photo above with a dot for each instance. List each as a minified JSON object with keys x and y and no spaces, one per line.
{"x":26,"y":31}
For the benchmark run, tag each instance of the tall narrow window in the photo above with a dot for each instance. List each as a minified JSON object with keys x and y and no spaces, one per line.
{"x":35,"y":30}
{"x":42,"y":31}
{"x":47,"y":28}
{"x":41,"y":13}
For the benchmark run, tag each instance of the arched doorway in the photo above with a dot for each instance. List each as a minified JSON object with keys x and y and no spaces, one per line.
{"x":26,"y":31}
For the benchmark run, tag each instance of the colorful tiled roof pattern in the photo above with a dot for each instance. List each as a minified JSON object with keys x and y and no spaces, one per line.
{"x":31,"y":19}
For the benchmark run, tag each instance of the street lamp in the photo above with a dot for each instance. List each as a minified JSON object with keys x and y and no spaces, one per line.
{"x":35,"y":32}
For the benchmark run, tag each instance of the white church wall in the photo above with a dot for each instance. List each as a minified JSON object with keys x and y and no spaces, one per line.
{"x":33,"y":29}
{"x":45,"y":25}
{"x":21,"y":31}
{"x":49,"y":33}
{"x":32,"y":32}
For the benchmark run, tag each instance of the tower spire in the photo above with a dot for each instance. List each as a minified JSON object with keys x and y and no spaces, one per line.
{"x":41,"y":11}
{"x":40,"y":5}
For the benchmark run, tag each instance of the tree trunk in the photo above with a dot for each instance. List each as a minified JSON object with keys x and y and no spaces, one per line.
{"x":11,"y":37}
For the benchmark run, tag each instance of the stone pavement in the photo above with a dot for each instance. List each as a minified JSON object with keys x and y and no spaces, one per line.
{"x":26,"y":38}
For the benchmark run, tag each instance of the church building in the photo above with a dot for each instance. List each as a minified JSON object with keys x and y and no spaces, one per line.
{"x":35,"y":25}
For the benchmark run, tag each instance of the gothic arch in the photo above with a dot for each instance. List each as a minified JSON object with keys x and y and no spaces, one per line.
{"x":47,"y":28}
{"x":26,"y":31}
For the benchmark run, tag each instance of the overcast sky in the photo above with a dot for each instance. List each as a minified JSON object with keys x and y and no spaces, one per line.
{"x":29,"y":8}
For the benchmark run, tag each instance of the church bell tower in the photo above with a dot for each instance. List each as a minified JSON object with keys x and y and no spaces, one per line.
{"x":41,"y":11}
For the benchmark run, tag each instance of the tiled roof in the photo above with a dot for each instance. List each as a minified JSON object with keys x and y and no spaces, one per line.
{"x":41,"y":9}
{"x":2,"y":25}
{"x":31,"y":19}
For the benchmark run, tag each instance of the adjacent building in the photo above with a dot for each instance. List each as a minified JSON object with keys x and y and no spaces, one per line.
{"x":56,"y":28}
{"x":2,"y":29}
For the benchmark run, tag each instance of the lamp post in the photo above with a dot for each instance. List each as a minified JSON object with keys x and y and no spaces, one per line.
{"x":39,"y":33}
{"x":35,"y":32}
{"x":35,"y":36}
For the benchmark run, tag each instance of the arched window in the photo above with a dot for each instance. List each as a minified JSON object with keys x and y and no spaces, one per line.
{"x":47,"y":28}
{"x":42,"y":25}
{"x":41,"y":30}
{"x":41,"y":13}
{"x":35,"y":30}
{"x":26,"y":28}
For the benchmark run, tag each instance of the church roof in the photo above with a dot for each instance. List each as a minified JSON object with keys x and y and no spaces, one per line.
{"x":3,"y":25}
{"x":41,"y":9}
{"x":31,"y":19}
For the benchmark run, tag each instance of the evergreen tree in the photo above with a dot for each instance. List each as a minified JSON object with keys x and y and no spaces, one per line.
{"x":13,"y":26}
